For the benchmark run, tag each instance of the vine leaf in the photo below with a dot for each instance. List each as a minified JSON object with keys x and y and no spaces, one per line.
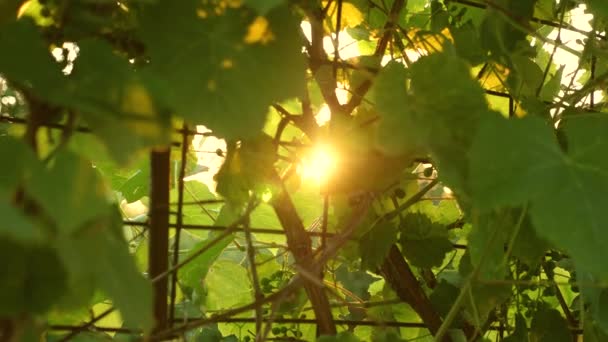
{"x":549,"y":325}
{"x":521,"y":330}
{"x":263,"y":6}
{"x":16,"y":226}
{"x":424,"y":243}
{"x":193,"y":274}
{"x":510,"y":179}
{"x":598,"y":6}
{"x":553,"y":85}
{"x":356,"y":281}
{"x":122,"y":110}
{"x":441,"y":112}
{"x":99,"y":256}
{"x":23,"y":162}
{"x":247,"y":168}
{"x":29,"y":63}
{"x":344,"y":336}
{"x":228,"y":285}
{"x":565,"y":190}
{"x":71,"y":192}
{"x":31,"y":280}
{"x":486,"y":297}
{"x":225,"y":69}
{"x":375,"y":244}
{"x":528,"y":247}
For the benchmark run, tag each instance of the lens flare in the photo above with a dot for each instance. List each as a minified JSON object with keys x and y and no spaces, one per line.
{"x":319,"y":165}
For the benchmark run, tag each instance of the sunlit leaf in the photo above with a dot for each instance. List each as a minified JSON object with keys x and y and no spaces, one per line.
{"x":210,"y":81}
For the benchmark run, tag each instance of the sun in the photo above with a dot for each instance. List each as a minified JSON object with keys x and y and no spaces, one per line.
{"x":319,"y":165}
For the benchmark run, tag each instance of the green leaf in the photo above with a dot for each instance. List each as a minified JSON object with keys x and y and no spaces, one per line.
{"x":443,"y":297}
{"x":29,"y":63}
{"x":485,"y":297}
{"x":195,"y":191}
{"x":249,"y":168}
{"x":548,"y":325}
{"x":8,"y":10}
{"x":124,"y":110}
{"x":23,"y":162}
{"x":521,"y":330}
{"x":16,"y":226}
{"x":598,"y":7}
{"x":511,"y":179}
{"x":228,"y":286}
{"x":31,"y":280}
{"x":528,"y":247}
{"x":466,"y":42}
{"x":552,"y":87}
{"x":356,"y":281}
{"x":525,"y":76}
{"x":424,"y":243}
{"x":99,"y":256}
{"x":375,"y":244}
{"x":395,"y":111}
{"x":592,"y":332}
{"x":441,"y":112}
{"x":221,"y":57}
{"x":565,"y":190}
{"x":497,"y":32}
{"x":70,"y":192}
{"x":344,"y":336}
{"x":193,"y":274}
{"x":137,"y":185}
{"x":263,"y":6}
{"x":601,"y":307}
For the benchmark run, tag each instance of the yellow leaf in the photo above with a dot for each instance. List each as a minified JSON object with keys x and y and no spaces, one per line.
{"x":429,"y":41}
{"x":259,"y":32}
{"x":137,"y":101}
{"x":351,"y":16}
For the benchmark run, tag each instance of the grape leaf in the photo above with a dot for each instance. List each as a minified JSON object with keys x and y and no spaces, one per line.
{"x":592,"y":332}
{"x":29,"y":63}
{"x":193,"y":274}
{"x":375,"y":244}
{"x":16,"y":226}
{"x":565,"y":190}
{"x":511,"y":179}
{"x":122,"y":110}
{"x":486,"y":297}
{"x":441,"y":112}
{"x":228,"y":285}
{"x":22,"y":163}
{"x":32,"y":280}
{"x":263,"y":6}
{"x":247,"y":168}
{"x":521,"y":330}
{"x":599,"y":7}
{"x":525,"y":76}
{"x":137,"y":185}
{"x":356,"y":281}
{"x":344,"y":336}
{"x":549,"y":325}
{"x":70,"y":191}
{"x":528,"y":247}
{"x":230,"y":66}
{"x":101,"y":257}
{"x":602,"y":310}
{"x":553,"y":85}
{"x":424,"y":242}
{"x":193,"y":213}
{"x":443,"y":297}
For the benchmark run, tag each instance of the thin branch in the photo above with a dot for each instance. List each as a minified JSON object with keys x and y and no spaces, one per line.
{"x":179,"y":219}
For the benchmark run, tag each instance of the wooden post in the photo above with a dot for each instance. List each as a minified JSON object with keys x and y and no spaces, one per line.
{"x":158,"y":252}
